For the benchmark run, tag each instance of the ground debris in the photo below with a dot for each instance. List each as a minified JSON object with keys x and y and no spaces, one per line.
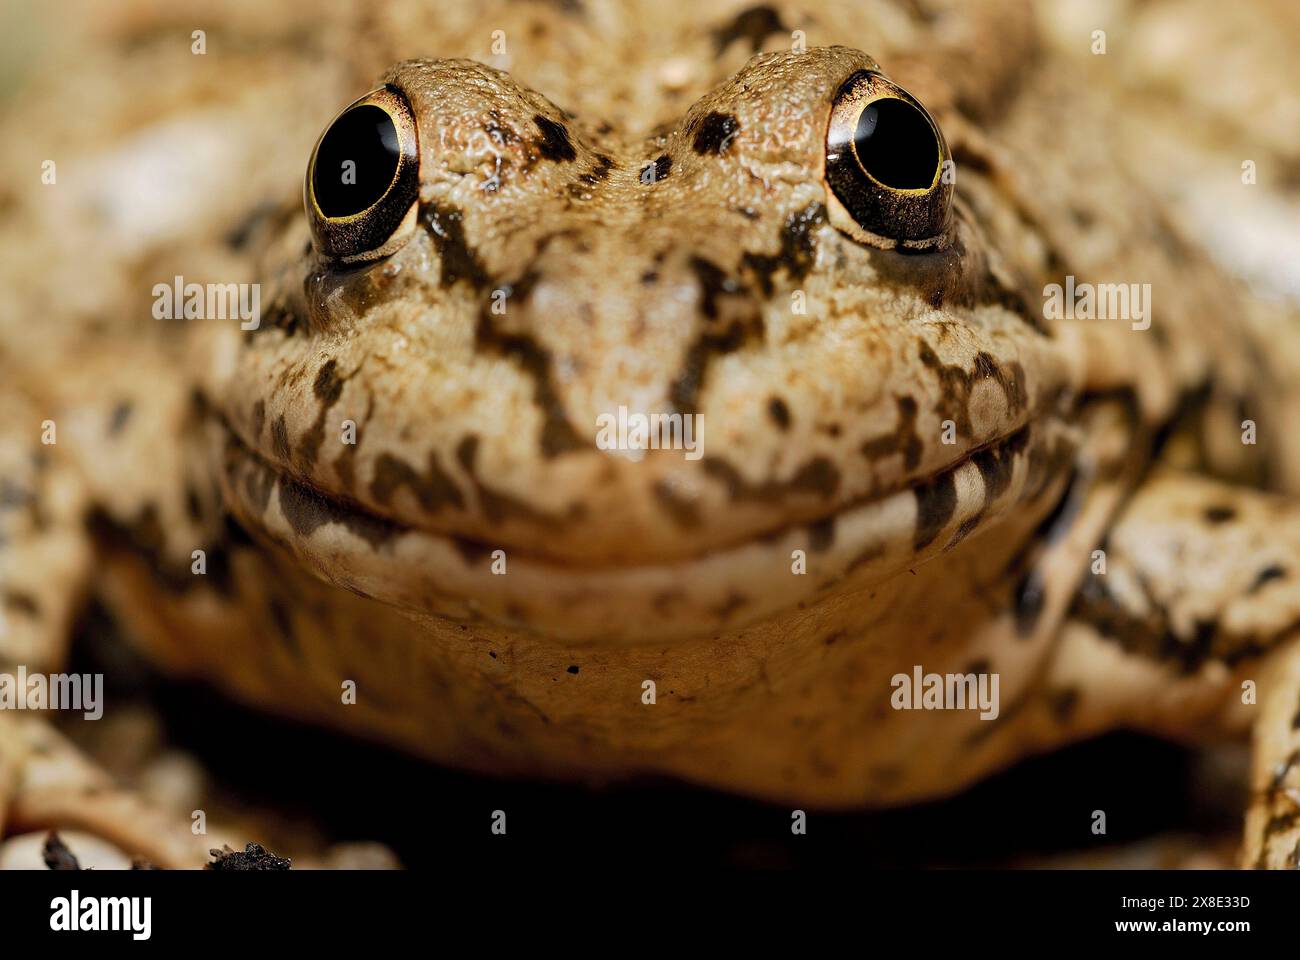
{"x":254,"y":857}
{"x":57,"y":855}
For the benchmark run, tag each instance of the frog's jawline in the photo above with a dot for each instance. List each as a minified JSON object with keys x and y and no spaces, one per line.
{"x":307,"y":507}
{"x":450,"y":577}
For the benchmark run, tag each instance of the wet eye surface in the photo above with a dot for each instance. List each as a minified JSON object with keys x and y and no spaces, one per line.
{"x":355,"y":161}
{"x":363,"y":179}
{"x":896,"y":145}
{"x":885,"y":160}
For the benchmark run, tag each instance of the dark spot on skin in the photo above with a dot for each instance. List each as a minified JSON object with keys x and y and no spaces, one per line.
{"x":967,"y":159}
{"x":22,"y":602}
{"x":684,"y":512}
{"x":259,"y":418}
{"x":472,"y":552}
{"x":1283,"y":771}
{"x":329,"y":385}
{"x":1267,"y":575}
{"x":957,"y":383}
{"x":13,"y":496}
{"x":936,"y":500}
{"x":821,"y":534}
{"x":729,"y":606}
{"x":1148,"y":630}
{"x":345,"y":466}
{"x":779,"y":412}
{"x":754,"y":24}
{"x":1063,"y":703}
{"x":145,"y":538}
{"x":327,"y":388}
{"x":598,"y":173}
{"x":459,"y":261}
{"x":996,"y":464}
{"x":554,"y":144}
{"x":818,"y":476}
{"x":303,"y":509}
{"x":714,"y":283}
{"x":719,"y":336}
{"x":1277,"y":795}
{"x":278,"y":316}
{"x":306,"y":511}
{"x":664,"y":601}
{"x":798,"y":249}
{"x":498,"y":506}
{"x":558,"y":435}
{"x":280,"y":616}
{"x":499,"y":132}
{"x":1219,"y":514}
{"x":921,"y":12}
{"x":280,"y":438}
{"x":902,"y":439}
{"x":257,"y":487}
{"x":663,"y":165}
{"x":118,"y":418}
{"x":1203,"y":633}
{"x":193,"y":506}
{"x":714,"y":133}
{"x":1081,"y":217}
{"x":573,"y":669}
{"x":1030,"y":590}
{"x":434,"y":489}
{"x":964,"y":530}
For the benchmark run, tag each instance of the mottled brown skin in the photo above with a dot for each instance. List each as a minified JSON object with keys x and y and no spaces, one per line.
{"x":372,"y":562}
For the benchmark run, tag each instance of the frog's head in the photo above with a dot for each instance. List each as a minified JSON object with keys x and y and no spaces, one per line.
{"x":495,"y":293}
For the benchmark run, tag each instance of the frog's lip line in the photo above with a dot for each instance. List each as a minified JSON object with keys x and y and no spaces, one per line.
{"x":725,"y":588}
{"x":346,"y":506}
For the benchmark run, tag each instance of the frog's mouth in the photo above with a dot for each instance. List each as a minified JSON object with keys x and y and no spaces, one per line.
{"x":429,"y":573}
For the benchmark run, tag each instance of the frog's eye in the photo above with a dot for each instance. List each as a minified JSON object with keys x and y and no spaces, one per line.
{"x":886,"y":162}
{"x":363,"y":179}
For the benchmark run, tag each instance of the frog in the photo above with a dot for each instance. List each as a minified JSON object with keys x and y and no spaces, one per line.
{"x":823,"y":233}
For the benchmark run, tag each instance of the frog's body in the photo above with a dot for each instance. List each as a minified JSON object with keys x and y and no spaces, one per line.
{"x":905,"y":462}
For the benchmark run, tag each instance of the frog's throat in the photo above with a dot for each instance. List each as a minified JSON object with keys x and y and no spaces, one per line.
{"x":428,"y":573}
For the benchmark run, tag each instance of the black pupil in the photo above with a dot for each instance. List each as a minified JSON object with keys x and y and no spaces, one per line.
{"x":355,"y":162}
{"x":896,"y":144}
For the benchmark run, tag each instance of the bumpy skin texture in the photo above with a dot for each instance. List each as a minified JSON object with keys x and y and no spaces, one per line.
{"x":373,"y":562}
